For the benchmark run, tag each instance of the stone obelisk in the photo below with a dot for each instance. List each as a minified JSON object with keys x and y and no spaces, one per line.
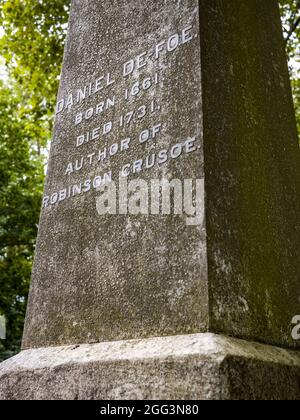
{"x":136,"y":301}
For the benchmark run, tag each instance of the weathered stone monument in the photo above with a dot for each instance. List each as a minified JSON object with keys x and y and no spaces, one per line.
{"x":136,"y":299}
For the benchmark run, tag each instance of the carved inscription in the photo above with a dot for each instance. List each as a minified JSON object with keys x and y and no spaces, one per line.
{"x":129,"y":90}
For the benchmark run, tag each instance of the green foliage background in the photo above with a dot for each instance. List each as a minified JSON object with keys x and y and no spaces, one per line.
{"x":290,"y":11}
{"x":31,"y":49}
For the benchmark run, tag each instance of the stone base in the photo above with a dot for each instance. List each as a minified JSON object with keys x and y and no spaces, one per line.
{"x":198,"y":367}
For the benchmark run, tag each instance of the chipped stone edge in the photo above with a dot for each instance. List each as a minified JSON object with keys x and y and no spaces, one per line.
{"x":203,"y":346}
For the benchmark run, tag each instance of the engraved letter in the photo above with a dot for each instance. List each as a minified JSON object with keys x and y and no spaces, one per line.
{"x":107,"y":128}
{"x":128,"y":68}
{"x":140,"y":61}
{"x":186,"y":35}
{"x":60,"y":106}
{"x":173,"y":43}
{"x":80,"y":141}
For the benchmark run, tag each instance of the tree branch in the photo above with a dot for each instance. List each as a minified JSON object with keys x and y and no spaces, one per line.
{"x":292,"y":30}
{"x":295,"y":23}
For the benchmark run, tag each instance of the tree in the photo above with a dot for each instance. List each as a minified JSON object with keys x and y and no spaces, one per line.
{"x":32,"y":47}
{"x":290,"y":10}
{"x":21,"y":181}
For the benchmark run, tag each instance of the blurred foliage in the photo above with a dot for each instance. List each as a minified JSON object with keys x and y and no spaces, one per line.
{"x":21,"y":179}
{"x":290,"y":11}
{"x":32,"y":49}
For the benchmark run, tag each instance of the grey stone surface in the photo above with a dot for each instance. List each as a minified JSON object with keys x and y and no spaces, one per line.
{"x":225,"y":85}
{"x":117,"y":277}
{"x":200,"y":366}
{"x":252,"y":172}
